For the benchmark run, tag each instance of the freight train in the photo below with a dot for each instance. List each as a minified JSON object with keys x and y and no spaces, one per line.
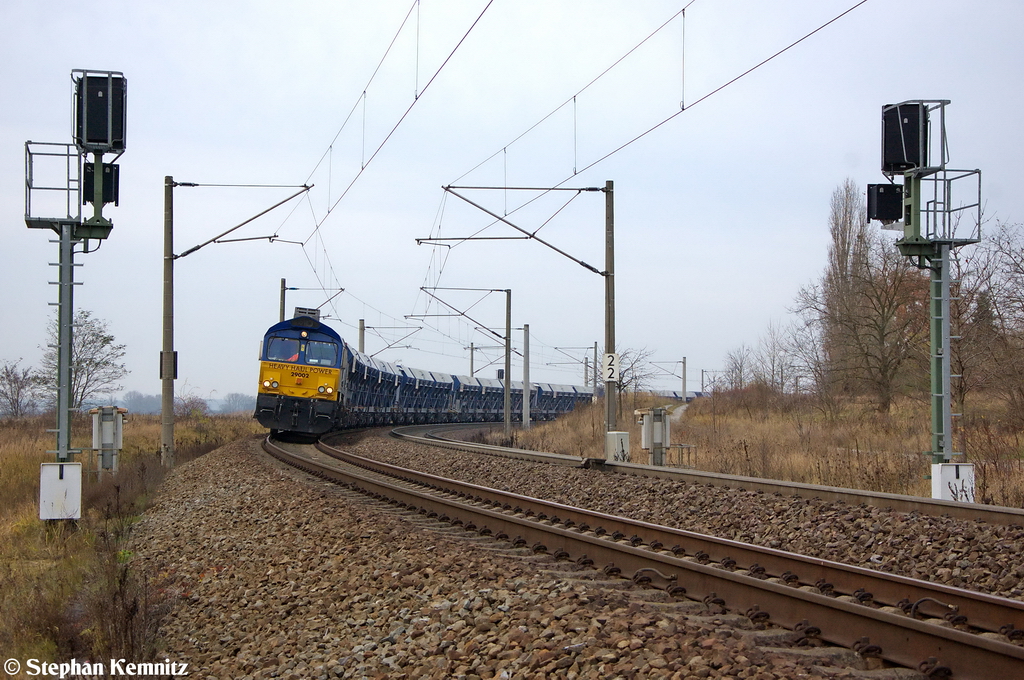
{"x":312,"y":382}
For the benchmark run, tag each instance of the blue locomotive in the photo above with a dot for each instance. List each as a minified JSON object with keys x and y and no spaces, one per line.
{"x":311,"y":381}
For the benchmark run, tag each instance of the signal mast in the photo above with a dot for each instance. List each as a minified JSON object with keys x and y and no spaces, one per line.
{"x":938,"y":210}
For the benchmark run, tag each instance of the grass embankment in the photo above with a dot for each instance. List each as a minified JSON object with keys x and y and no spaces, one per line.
{"x":68,"y":587}
{"x":581,"y":432}
{"x":785,"y":437}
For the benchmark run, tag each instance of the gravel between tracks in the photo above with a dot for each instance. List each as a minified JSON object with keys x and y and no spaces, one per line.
{"x":274,"y":574}
{"x":978,"y":556}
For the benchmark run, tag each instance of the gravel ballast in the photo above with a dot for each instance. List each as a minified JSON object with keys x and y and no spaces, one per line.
{"x":271,"y":573}
{"x":972,"y":555}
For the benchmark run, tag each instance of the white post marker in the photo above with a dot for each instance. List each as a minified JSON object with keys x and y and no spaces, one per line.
{"x":610,"y":368}
{"x":953,"y":482}
{"x":616,"y":443}
{"x":60,"y":491}
{"x":616,"y":447}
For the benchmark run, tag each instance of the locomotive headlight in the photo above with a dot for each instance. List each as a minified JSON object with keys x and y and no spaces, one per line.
{"x":266,"y":383}
{"x":330,"y":390}
{"x":321,"y":389}
{"x":274,"y":384}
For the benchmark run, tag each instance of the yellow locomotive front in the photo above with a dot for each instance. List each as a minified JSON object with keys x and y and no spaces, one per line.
{"x":299,"y":377}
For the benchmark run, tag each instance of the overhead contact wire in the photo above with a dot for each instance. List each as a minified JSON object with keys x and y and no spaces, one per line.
{"x":663,"y":122}
{"x":572,"y":99}
{"x":406,"y":113}
{"x":717,"y":90}
{"x":367,"y":162}
{"x":369,"y":82}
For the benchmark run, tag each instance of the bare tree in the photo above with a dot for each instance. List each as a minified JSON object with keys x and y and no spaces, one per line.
{"x":887,"y":322}
{"x":190,"y":406}
{"x":137,"y":402}
{"x":848,"y":254}
{"x":18,"y":389}
{"x":635,"y":370}
{"x":96,"y":358}
{"x":1007,"y":298}
{"x":974,"y":322}
{"x":1008,"y":283}
{"x":820,"y":342}
{"x":812,"y":363}
{"x":237,"y":402}
{"x":772,"y":362}
{"x":635,"y":373}
{"x":871,"y":304}
{"x":737,"y":368}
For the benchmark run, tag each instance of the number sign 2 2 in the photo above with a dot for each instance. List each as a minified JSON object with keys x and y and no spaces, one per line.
{"x":610,"y":367}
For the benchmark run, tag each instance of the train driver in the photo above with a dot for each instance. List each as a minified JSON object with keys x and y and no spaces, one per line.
{"x":283,"y":349}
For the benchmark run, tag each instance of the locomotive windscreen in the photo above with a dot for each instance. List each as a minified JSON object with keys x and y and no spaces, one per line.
{"x":321,"y":353}
{"x":283,"y":349}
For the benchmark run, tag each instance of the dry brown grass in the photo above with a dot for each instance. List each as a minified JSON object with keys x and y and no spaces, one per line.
{"x":68,"y":587}
{"x":581,"y":432}
{"x":860,"y":449}
{"x":757,"y":434}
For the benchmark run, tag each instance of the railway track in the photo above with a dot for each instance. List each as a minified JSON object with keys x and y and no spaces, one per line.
{"x":936,"y":629}
{"x":446,"y":436}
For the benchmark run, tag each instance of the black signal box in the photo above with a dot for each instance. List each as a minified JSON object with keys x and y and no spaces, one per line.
{"x":100,"y":112}
{"x":904,"y":137}
{"x":111,"y":177}
{"x":885,"y":202}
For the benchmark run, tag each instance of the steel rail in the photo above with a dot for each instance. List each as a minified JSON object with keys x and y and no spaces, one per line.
{"x":979,"y":610}
{"x":993,"y":514}
{"x":895,"y":637}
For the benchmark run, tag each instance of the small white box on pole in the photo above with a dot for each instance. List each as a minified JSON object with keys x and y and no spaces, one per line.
{"x":60,"y":491}
{"x":655,"y":432}
{"x":616,"y":447}
{"x":108,"y":435}
{"x":953,"y":482}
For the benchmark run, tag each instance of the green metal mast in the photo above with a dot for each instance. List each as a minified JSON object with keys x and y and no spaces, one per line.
{"x":932,"y":255}
{"x":99,"y":115}
{"x":934,"y":201}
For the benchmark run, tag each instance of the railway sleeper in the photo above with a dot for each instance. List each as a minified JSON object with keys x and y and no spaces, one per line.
{"x":837,"y":656}
{"x":716,"y":606}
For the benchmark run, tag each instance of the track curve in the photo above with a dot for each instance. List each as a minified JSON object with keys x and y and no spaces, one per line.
{"x":846,"y":604}
{"x":437,"y":435}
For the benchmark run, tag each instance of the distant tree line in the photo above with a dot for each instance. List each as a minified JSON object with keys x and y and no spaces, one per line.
{"x":96,"y":371}
{"x":862,"y":329}
{"x":188,"y":405}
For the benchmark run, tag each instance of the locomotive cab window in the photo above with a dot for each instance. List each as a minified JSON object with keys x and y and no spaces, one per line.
{"x":283,"y":349}
{"x":321,"y":353}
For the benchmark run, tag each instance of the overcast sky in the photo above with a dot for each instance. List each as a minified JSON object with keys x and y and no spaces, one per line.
{"x":720,"y":213}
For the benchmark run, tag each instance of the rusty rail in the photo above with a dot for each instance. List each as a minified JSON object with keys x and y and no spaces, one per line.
{"x":739,"y":583}
{"x":431,"y":435}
